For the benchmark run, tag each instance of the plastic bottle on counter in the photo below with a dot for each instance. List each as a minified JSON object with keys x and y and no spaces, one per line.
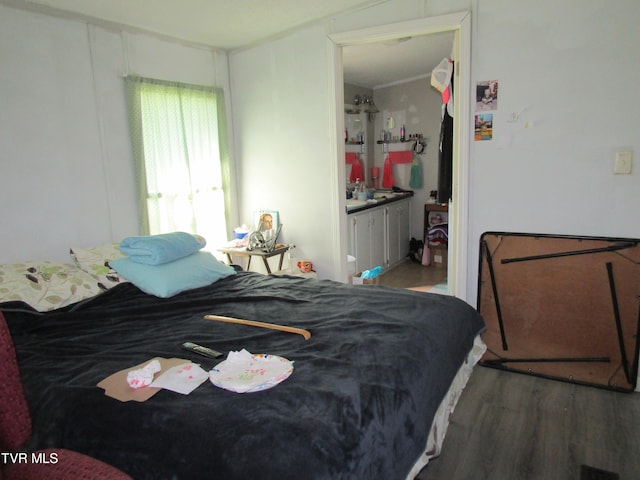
{"x":291,"y":255}
{"x":402,"y":134}
{"x":360,"y":191}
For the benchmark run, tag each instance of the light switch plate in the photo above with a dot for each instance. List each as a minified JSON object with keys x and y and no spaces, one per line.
{"x":623,"y":163}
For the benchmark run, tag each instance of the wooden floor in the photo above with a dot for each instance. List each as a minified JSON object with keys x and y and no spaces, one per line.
{"x":510,"y":426}
{"x":410,"y":274}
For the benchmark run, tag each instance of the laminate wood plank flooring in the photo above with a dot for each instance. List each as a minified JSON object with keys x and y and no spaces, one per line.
{"x":410,"y":274}
{"x":511,"y":426}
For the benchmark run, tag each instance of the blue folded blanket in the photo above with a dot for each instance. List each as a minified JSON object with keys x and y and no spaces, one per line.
{"x":163,"y":248}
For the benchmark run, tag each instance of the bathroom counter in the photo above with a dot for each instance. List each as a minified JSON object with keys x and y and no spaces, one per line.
{"x":381,"y":198}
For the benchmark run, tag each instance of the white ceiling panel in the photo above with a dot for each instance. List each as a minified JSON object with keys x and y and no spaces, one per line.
{"x":219,"y":23}
{"x":230,"y":24}
{"x":383,"y":64}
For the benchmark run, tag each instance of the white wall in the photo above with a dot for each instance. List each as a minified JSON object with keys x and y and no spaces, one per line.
{"x":571,"y":75}
{"x":566,"y":65}
{"x":281,"y":123}
{"x":569,"y":72}
{"x":420,"y":105}
{"x":66,"y":175}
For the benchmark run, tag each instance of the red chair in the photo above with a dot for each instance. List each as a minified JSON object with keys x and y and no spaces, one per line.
{"x":15,"y":432}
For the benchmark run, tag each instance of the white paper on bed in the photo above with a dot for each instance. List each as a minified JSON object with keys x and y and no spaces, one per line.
{"x":143,"y":377}
{"x":116,"y":385}
{"x":243,"y":372}
{"x":182,"y":379}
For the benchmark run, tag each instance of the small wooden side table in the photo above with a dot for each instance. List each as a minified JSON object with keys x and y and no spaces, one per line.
{"x":243,"y":252}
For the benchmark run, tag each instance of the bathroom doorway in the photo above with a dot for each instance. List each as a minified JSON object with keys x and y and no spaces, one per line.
{"x":460,"y":25}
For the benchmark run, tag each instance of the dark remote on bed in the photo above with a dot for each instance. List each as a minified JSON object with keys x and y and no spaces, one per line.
{"x":200,"y":350}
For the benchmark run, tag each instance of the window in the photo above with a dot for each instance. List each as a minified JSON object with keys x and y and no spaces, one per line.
{"x":181,"y":157}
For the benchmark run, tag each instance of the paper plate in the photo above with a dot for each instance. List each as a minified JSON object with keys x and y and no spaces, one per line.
{"x":244,"y":372}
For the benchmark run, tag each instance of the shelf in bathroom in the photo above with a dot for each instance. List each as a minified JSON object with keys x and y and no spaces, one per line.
{"x":397,"y":147}
{"x":411,"y":140}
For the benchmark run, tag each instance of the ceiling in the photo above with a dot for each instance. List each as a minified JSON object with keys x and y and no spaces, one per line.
{"x":225,"y":24}
{"x":232,"y":24}
{"x":382,"y":64}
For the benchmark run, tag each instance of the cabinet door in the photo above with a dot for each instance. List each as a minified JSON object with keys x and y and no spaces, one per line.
{"x":351,"y":235}
{"x":392,"y":234}
{"x":361,"y":241}
{"x":398,"y":231}
{"x":377,"y":235}
{"x":404,"y":229}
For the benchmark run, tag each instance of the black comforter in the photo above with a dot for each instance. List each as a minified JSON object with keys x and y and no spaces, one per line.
{"x":358,"y":405}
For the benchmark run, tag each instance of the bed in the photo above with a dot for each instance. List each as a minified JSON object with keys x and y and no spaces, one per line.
{"x":369,"y":397}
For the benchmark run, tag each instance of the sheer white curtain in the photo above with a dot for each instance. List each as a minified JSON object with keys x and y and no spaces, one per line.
{"x":181,"y":155}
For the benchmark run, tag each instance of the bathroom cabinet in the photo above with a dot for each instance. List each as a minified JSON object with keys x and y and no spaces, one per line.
{"x":367,"y":238}
{"x":398,"y":231}
{"x":380,"y":235}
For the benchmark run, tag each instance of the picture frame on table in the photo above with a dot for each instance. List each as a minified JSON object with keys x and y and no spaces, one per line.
{"x":267,"y":222}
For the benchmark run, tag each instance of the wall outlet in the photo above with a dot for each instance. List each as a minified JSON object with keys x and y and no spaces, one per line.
{"x":623,"y":163}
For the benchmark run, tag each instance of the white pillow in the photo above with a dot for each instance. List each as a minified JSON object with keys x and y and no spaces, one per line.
{"x":95,"y":261}
{"x":46,"y":285}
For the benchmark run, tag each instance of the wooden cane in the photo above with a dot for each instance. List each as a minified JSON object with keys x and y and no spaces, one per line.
{"x":300,"y":331}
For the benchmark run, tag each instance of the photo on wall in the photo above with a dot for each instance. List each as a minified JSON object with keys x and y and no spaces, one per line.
{"x":484,"y":126}
{"x":486,"y":95}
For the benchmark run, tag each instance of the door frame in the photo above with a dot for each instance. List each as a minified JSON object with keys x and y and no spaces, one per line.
{"x":460,"y":24}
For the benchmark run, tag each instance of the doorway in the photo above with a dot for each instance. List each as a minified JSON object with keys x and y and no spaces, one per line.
{"x":460,"y":25}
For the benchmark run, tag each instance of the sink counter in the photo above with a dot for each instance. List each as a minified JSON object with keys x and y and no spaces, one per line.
{"x":380,"y":198}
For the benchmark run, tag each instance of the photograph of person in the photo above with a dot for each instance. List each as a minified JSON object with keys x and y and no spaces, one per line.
{"x":267,"y":223}
{"x":487,"y":95}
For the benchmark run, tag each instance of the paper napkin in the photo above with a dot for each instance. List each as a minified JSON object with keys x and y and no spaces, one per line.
{"x":182,"y":379}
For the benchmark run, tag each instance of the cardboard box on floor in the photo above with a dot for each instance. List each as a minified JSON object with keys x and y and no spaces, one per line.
{"x":358,"y":280}
{"x":439,"y":256}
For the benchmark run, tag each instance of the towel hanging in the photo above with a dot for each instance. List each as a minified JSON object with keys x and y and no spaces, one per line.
{"x":350,"y":158}
{"x":356,"y":171}
{"x":404,"y":156}
{"x":415,"y":178}
{"x":387,"y":174}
